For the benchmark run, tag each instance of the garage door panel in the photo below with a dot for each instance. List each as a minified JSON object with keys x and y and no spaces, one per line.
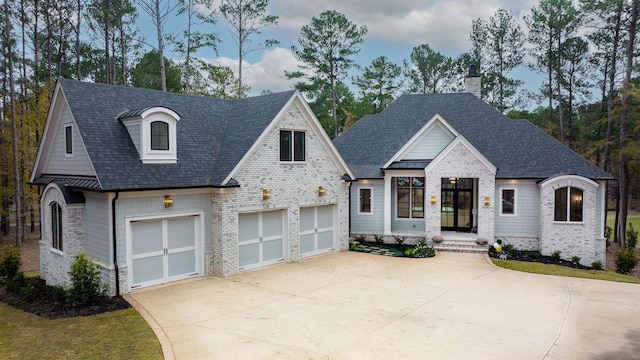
{"x":147,"y":237}
{"x":325,"y":240}
{"x":148,"y":269}
{"x":182,"y":263}
{"x":272,"y":250}
{"x":325,"y":217}
{"x":272,"y":223}
{"x":249,"y":254}
{"x":248,"y":227}
{"x":307,"y":243}
{"x":307,"y":219}
{"x":181,"y":232}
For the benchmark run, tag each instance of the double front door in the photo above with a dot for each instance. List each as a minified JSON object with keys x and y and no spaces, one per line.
{"x":457,"y":204}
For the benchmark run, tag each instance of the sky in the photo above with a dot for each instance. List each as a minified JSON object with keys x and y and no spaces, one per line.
{"x":394,"y":28}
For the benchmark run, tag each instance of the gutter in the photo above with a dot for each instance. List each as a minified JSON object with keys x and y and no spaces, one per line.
{"x":115,"y":247}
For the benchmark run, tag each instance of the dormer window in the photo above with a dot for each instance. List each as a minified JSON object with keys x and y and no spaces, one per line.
{"x":153,"y":132}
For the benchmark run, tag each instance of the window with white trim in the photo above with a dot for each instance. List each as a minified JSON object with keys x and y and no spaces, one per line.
{"x":292,"y":145}
{"x":365,"y":201}
{"x":68,"y":140}
{"x":568,"y":204}
{"x":159,"y":135}
{"x":410,"y":197}
{"x":508,"y":202}
{"x":56,"y":225}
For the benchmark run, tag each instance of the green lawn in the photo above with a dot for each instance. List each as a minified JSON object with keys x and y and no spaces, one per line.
{"x":633,"y":219}
{"x":121,"y":334}
{"x":558,"y":270}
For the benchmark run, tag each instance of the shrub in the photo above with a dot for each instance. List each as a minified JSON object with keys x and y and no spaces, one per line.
{"x":30,"y":289}
{"x":423,"y":252}
{"x":400,"y":239}
{"x":59,"y":294}
{"x":532,"y":254}
{"x":511,"y":250}
{"x":409,"y":252}
{"x":421,"y":242}
{"x":85,"y":282}
{"x":556,"y":255}
{"x":379,"y":238}
{"x":597,"y":265}
{"x":608,"y":231}
{"x":575,"y":259}
{"x":352,"y":246}
{"x":15,"y":283}
{"x":626,"y":260}
{"x":361,"y":238}
{"x":632,"y":237}
{"x":10,"y":262}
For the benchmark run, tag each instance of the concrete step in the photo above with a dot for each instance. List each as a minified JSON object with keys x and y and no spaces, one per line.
{"x":460,"y":246}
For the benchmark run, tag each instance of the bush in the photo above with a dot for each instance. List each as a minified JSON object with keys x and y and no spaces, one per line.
{"x":632,"y":237}
{"x":59,"y":294}
{"x":10,"y":262}
{"x":626,"y":260}
{"x":423,"y":252}
{"x":400,"y":239}
{"x":379,"y":238}
{"x":597,"y":265}
{"x":608,"y":231}
{"x":532,"y":254}
{"x":30,"y":289}
{"x":16,"y":283}
{"x":421,"y":242}
{"x":361,"y":238}
{"x":85,"y":282}
{"x":556,"y":255}
{"x":575,"y":259}
{"x":510,"y":250}
{"x":409,"y":252}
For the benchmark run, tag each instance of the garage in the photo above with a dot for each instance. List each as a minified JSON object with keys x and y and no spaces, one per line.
{"x":316,"y":230}
{"x":163,"y":250}
{"x":261,"y":239}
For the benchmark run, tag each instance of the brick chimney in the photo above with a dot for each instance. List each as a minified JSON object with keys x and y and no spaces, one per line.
{"x":472,"y":82}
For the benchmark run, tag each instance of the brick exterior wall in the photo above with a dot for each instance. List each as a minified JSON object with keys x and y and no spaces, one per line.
{"x":460,"y":162}
{"x":571,"y":238}
{"x":54,"y":264}
{"x":291,"y":186}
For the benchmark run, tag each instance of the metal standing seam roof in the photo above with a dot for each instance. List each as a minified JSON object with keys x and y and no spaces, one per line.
{"x":212,"y":135}
{"x":517,"y":148}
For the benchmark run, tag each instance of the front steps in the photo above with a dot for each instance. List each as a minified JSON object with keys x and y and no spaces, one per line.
{"x":464,"y":246}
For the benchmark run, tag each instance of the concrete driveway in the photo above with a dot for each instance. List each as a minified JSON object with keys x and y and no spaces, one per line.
{"x":359,"y":306}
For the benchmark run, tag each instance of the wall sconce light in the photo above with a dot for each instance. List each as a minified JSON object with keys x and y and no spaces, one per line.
{"x":168,"y":201}
{"x":433,"y":200}
{"x":321,"y":191}
{"x":266,"y":195}
{"x":487,"y":201}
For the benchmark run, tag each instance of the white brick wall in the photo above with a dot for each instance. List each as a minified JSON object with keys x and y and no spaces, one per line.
{"x":460,"y":162}
{"x":571,"y":238}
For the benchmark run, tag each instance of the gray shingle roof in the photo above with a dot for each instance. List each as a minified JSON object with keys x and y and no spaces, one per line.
{"x":517,"y":148}
{"x":212,"y":134}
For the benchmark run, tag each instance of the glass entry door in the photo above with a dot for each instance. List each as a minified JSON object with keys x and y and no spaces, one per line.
{"x":457,"y":204}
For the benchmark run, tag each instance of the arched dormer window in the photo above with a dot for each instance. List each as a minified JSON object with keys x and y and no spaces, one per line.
{"x":153,"y":131}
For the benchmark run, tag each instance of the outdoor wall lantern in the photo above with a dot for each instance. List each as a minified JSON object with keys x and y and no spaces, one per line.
{"x":487,"y":201}
{"x":433,"y":199}
{"x":266,"y":195}
{"x":321,"y":191}
{"x":168,"y":201}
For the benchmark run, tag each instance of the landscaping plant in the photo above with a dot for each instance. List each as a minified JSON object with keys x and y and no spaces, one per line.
{"x":556,"y":255}
{"x":632,"y":237}
{"x":626,"y":260}
{"x":86,"y":287}
{"x":10,"y":262}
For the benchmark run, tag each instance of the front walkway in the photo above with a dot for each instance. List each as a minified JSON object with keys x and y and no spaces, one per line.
{"x":358,"y":306}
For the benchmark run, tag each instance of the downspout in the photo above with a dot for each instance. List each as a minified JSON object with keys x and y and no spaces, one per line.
{"x":115,"y":247}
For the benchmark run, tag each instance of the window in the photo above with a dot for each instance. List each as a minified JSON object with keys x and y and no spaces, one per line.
{"x":410,"y":200}
{"x":68,"y":140}
{"x":365,"y":201}
{"x":508,"y":202}
{"x":568,"y":204}
{"x":292,"y":145}
{"x":56,"y":226}
{"x":159,"y":135}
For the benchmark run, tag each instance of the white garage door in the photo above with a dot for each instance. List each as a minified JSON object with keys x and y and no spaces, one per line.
{"x":316,"y":230}
{"x":260,"y":239}
{"x":163,"y":250}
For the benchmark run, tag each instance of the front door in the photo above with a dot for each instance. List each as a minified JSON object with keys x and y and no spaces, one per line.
{"x":457,"y":204}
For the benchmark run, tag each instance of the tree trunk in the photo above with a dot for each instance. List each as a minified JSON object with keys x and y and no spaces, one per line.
{"x":163,"y":75}
{"x":78,"y":61}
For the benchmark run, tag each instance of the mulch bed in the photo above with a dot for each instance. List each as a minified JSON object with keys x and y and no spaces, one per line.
{"x":45,"y":306}
{"x":534,"y":256}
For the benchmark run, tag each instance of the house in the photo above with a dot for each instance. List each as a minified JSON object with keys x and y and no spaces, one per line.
{"x":160,"y":187}
{"x":452,"y":165}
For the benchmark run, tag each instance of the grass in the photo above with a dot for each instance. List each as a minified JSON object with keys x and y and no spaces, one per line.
{"x":120,"y":334}
{"x":558,"y":270}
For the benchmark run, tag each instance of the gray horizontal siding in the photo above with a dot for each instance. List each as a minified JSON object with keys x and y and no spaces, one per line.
{"x":527,"y":202}
{"x":59,"y":163}
{"x":97,"y":233}
{"x":430,"y":145}
{"x":368,"y":224}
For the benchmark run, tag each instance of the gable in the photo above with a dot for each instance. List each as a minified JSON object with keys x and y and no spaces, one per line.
{"x":430,"y":145}
{"x":462,"y":157}
{"x":55,"y":154}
